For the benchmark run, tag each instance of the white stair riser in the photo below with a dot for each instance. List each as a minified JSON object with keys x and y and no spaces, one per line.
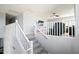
{"x":36,"y":51}
{"x":37,"y":48}
{"x":36,"y":45}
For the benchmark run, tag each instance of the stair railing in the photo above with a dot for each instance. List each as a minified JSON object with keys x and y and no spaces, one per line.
{"x":20,"y":35}
{"x":58,"y":28}
{"x":37,"y":30}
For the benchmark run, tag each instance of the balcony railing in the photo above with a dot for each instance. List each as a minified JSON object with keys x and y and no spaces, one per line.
{"x":58,"y":28}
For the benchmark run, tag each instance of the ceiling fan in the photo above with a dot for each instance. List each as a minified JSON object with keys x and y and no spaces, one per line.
{"x":54,"y":15}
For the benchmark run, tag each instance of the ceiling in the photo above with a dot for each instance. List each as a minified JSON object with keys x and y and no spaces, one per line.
{"x":38,"y":9}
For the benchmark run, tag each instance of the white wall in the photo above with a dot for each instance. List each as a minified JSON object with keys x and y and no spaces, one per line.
{"x":28,"y":21}
{"x":2,"y":27}
{"x":9,"y":37}
{"x":11,"y":43}
{"x":77,"y":19}
{"x":76,"y":41}
{"x":20,"y":20}
{"x":2,"y":24}
{"x":1,"y":42}
{"x":57,"y":45}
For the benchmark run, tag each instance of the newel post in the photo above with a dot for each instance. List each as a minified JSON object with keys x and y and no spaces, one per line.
{"x":31,"y":46}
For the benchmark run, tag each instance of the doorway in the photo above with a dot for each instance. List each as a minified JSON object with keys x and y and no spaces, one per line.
{"x":10,"y":19}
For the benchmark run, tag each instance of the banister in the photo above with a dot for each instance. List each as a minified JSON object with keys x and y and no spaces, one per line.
{"x":28,"y":49}
{"x":43,"y":34}
{"x":40,"y":31}
{"x":57,"y":28}
{"x":22,"y":31}
{"x":28,"y":45}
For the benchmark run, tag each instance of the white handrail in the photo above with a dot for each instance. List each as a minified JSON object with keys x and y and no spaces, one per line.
{"x":36,"y":29}
{"x":22,"y":31}
{"x":29,"y":44}
{"x":43,"y":34}
{"x":28,"y":49}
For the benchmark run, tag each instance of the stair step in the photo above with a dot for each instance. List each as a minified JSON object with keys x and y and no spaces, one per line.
{"x":43,"y":53}
{"x":36,"y":45}
{"x":35,"y":41}
{"x":32,"y":38}
{"x":38,"y":50}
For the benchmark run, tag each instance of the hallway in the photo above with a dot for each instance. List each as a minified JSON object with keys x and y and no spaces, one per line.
{"x":39,"y":29}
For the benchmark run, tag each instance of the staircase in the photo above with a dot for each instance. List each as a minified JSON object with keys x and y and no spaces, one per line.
{"x":15,"y":40}
{"x":37,"y":48}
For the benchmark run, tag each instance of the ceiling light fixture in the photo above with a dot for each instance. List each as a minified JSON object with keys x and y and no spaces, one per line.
{"x":54,"y":15}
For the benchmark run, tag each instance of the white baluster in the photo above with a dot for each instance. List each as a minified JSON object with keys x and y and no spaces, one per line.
{"x":68,"y":28}
{"x":62,"y":28}
{"x":47,"y":29}
{"x":52,"y":28}
{"x":72,"y":29}
{"x":57,"y":28}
